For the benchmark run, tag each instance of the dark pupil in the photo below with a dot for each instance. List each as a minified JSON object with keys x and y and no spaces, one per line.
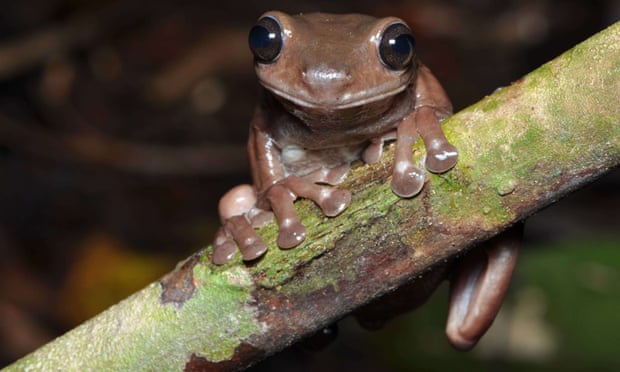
{"x":260,"y":37}
{"x":403,"y":44}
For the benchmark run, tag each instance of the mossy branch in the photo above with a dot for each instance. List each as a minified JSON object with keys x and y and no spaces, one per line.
{"x":521,"y":149}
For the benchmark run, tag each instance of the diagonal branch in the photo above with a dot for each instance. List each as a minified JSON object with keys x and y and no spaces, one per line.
{"x":521,"y":149}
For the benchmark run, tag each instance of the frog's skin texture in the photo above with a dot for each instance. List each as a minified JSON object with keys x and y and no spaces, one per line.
{"x":334,"y":88}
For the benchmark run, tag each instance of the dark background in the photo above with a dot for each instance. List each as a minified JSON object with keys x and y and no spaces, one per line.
{"x":122,"y":122}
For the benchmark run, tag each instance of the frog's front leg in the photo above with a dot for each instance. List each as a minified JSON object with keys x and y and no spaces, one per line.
{"x":407,"y":179}
{"x":440,"y":154}
{"x":281,"y":196}
{"x":432,"y":105}
{"x":242,"y":209}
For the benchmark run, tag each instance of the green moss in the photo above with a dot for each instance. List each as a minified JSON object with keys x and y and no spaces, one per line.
{"x":490,"y":104}
{"x":218,"y":299}
{"x":119,"y":338}
{"x":279,"y":266}
{"x":484,"y":209}
{"x":456,"y":180}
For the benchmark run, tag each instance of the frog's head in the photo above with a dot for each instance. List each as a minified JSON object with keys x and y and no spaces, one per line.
{"x":328,"y":62}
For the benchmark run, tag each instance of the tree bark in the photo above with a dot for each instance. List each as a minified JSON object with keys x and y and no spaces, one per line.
{"x":521,"y":149}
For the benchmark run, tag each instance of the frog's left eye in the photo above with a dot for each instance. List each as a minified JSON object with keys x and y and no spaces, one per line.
{"x":266,"y":40}
{"x":396,"y":46}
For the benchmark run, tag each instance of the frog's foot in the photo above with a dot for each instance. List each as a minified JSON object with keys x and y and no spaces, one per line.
{"x":239,"y":216}
{"x":291,"y":232}
{"x":224,"y":247}
{"x":237,"y":230}
{"x":281,"y":196}
{"x":478,"y":286}
{"x":441,"y":156}
{"x":407,"y":179}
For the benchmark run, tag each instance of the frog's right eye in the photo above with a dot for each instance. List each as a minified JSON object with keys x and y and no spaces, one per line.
{"x":266,"y":40}
{"x":396,"y":48}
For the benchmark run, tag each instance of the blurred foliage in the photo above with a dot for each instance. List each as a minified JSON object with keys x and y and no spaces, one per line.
{"x":561,"y":314}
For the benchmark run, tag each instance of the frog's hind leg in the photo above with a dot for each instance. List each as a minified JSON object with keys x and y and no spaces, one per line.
{"x":478,"y":286}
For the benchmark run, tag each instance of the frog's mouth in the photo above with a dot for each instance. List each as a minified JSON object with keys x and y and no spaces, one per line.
{"x":331,"y":102}
{"x":371,"y":112}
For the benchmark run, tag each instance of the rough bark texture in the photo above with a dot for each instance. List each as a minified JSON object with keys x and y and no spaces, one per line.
{"x":521,"y":149}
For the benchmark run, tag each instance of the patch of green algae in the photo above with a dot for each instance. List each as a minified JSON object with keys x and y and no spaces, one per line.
{"x":279,"y":265}
{"x":141,"y":334}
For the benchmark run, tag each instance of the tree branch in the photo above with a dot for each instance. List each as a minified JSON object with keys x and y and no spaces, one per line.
{"x":521,"y":149}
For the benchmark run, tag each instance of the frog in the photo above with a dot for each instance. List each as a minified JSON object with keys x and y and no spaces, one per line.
{"x":333,"y":89}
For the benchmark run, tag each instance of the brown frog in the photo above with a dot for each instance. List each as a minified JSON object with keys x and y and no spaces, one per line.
{"x":334,"y":88}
